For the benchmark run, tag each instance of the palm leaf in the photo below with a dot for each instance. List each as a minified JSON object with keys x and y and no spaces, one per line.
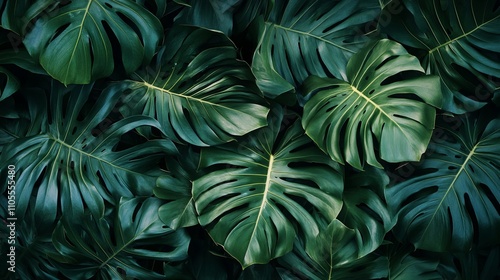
{"x":377,"y":113}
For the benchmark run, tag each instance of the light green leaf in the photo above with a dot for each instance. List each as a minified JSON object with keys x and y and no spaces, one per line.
{"x":119,"y":246}
{"x":372,"y":115}
{"x":73,"y":42}
{"x":457,"y":39}
{"x":303,"y":38}
{"x":198,"y":90}
{"x":70,"y":160}
{"x":260,"y":188}
{"x":451,"y":203}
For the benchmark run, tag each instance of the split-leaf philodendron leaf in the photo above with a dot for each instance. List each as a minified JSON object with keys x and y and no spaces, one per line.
{"x":198,"y":91}
{"x":372,"y":115}
{"x":70,"y":160}
{"x":253,"y":200}
{"x":454,"y":34}
{"x":73,"y":42}
{"x":453,"y":203}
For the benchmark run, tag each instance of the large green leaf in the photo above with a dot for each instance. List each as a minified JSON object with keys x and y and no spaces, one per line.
{"x":73,"y":42}
{"x":302,"y":38}
{"x":452,"y":35}
{"x":120,"y":246}
{"x":372,"y":113}
{"x":70,"y":157}
{"x":452,"y":203}
{"x":260,"y":188}
{"x":198,"y":90}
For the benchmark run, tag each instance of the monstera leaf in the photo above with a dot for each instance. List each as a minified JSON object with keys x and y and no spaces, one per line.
{"x":365,"y":209}
{"x":199,"y":91}
{"x":454,"y":35}
{"x":32,"y":246}
{"x":371,"y":112}
{"x":258,"y":190}
{"x":73,"y":42}
{"x":120,"y":245}
{"x":298,"y":265}
{"x":452,"y":203}
{"x":178,"y":210}
{"x":70,"y":157}
{"x":303,"y":38}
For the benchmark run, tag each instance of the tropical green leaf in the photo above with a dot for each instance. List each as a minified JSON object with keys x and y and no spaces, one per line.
{"x":303,"y":38}
{"x":452,"y":202}
{"x":260,"y":188}
{"x":32,"y":246}
{"x":405,"y":264}
{"x":198,"y":90}
{"x":453,"y":36}
{"x":74,"y":42}
{"x":9,"y":82}
{"x":210,"y":14}
{"x":70,"y":157}
{"x":118,"y":247}
{"x":300,"y":266}
{"x":371,"y":113}
{"x":179,"y":210}
{"x":365,"y":209}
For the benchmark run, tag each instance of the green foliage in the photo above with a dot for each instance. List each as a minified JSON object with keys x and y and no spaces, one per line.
{"x":258,"y":139}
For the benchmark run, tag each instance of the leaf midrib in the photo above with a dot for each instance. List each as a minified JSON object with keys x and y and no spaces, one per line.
{"x":463,"y":35}
{"x":462,"y":167}
{"x":91,"y":155}
{"x":311,"y":35}
{"x":264,"y":197}
{"x":171,"y":93}
{"x":360,"y":93}
{"x":85,"y":13}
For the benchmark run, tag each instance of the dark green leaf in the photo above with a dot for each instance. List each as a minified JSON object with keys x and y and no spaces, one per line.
{"x":453,"y":203}
{"x":452,"y":35}
{"x":198,"y":90}
{"x":73,"y":42}
{"x":116,"y":248}
{"x":69,"y":159}
{"x":303,"y":38}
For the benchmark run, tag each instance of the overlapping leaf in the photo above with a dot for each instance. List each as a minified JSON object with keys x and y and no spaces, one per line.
{"x":69,"y":159}
{"x":198,"y":90}
{"x":302,"y":38}
{"x":73,"y":42}
{"x":375,"y":113}
{"x":258,"y":190}
{"x":454,"y":34}
{"x":452,"y":203}
{"x":299,"y":265}
{"x":119,"y":247}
